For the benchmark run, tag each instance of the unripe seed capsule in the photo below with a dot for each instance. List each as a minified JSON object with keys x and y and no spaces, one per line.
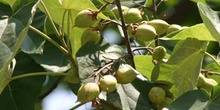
{"x":85,"y":18}
{"x":87,"y":92}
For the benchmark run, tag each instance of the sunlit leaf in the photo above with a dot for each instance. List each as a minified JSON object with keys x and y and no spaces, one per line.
{"x":210,"y":19}
{"x":198,"y":31}
{"x":72,"y":8}
{"x":183,"y":67}
{"x":144,"y":64}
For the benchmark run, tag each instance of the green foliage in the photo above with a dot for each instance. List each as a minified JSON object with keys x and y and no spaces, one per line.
{"x":210,"y":19}
{"x":198,"y":31}
{"x":39,"y":39}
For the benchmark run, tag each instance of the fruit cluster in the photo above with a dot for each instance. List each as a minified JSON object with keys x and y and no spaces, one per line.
{"x":125,"y":74}
{"x":144,"y":30}
{"x":138,"y":28}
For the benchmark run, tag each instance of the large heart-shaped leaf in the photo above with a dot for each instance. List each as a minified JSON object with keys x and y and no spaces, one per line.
{"x":183,"y":67}
{"x":12,"y":38}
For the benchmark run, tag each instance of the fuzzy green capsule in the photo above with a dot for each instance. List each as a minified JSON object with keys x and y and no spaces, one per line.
{"x":132,"y":15}
{"x":87,"y":92}
{"x":85,"y":18}
{"x":159,"y":53}
{"x":173,"y":27}
{"x":145,"y":32}
{"x":157,"y":95}
{"x":108,"y":83}
{"x":115,"y":11}
{"x":90,"y":35}
{"x":125,"y":74}
{"x":159,"y":25}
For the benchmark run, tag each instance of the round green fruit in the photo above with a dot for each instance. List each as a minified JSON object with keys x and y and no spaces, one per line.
{"x":157,"y":95}
{"x":145,"y":32}
{"x":159,"y":53}
{"x":85,"y":18}
{"x":125,"y":74}
{"x":132,"y":15}
{"x":90,"y":35}
{"x":116,"y":12}
{"x":87,"y":92}
{"x":159,"y":25}
{"x":173,"y":27}
{"x":108,"y":83}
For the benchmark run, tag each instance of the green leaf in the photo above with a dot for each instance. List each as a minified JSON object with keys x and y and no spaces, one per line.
{"x":27,"y":89}
{"x":183,"y":67}
{"x":52,"y":59}
{"x":210,"y":19}
{"x":144,"y":64}
{"x":14,"y":39}
{"x":191,"y":100}
{"x":198,"y":31}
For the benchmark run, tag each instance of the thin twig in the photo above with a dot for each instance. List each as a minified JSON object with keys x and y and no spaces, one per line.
{"x":150,"y":50}
{"x":210,"y":72}
{"x":124,"y":28}
{"x":49,"y":39}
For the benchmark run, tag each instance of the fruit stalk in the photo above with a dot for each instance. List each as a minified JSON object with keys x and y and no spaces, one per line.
{"x":124,"y":28}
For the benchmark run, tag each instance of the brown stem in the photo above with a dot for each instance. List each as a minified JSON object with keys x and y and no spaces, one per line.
{"x":124,"y":28}
{"x":150,"y":50}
